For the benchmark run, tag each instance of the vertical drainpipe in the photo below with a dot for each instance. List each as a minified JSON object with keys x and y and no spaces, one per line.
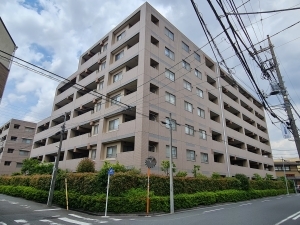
{"x":223,"y":120}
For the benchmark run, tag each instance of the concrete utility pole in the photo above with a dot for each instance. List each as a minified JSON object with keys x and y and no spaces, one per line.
{"x":55,"y":167}
{"x":171,"y":168}
{"x":286,"y":185}
{"x":286,"y":100}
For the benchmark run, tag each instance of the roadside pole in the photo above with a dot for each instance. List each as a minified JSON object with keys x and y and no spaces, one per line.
{"x":67,"y":200}
{"x":150,"y":162}
{"x":109,"y":173}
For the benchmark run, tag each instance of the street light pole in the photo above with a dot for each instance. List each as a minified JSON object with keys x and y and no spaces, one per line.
{"x":287,"y":189}
{"x":55,"y":167}
{"x":171,"y":168}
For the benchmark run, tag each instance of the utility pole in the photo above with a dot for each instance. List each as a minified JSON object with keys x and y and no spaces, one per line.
{"x":55,"y":167}
{"x":286,"y":185}
{"x":286,"y":100}
{"x":171,"y":168}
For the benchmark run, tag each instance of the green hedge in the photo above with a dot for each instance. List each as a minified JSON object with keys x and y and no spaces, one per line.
{"x":91,"y":183}
{"x":96,"y":203}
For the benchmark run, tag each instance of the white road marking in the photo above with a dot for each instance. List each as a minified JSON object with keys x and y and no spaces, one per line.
{"x":20,"y":221}
{"x":279,"y":198}
{"x":3,"y":200}
{"x":296,"y":217}
{"x":131,"y":219}
{"x":51,"y":222}
{"x":114,"y":219}
{"x":14,"y":203}
{"x":40,"y":210}
{"x":81,"y":217}
{"x":1,"y":223}
{"x":212,"y":210}
{"x":245,"y":204}
{"x":265,"y":201}
{"x":73,"y":221}
{"x":282,"y":221}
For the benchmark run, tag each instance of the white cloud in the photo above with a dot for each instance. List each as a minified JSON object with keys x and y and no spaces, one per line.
{"x":16,"y":98}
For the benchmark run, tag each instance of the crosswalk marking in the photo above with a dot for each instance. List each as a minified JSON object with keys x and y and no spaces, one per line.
{"x":20,"y":221}
{"x":90,"y":219}
{"x":51,"y":222}
{"x":73,"y":221}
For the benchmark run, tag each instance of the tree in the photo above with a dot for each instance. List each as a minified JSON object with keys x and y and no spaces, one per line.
{"x":86,"y":165}
{"x":256,"y":176}
{"x":165,"y":167}
{"x":181,"y":174}
{"x":29,"y":165}
{"x":194,"y":171}
{"x":269,"y":177}
{"x":245,"y":185}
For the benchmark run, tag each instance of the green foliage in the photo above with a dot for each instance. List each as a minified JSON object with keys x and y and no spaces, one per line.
{"x":165,"y":167}
{"x":33,"y":166}
{"x":269,"y":177}
{"x":86,"y":165}
{"x":256,"y":177}
{"x":244,"y":181}
{"x":216,"y":176}
{"x":16,"y":174}
{"x":181,"y":174}
{"x":134,"y":201}
{"x":195,"y":170}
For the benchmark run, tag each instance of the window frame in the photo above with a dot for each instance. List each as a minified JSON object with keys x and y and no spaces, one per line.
{"x":197,"y":55}
{"x":102,"y":65}
{"x":169,"y":53}
{"x":115,"y":127}
{"x":119,"y":75}
{"x":169,"y":74}
{"x":199,"y":93}
{"x":173,"y":123}
{"x":23,"y":151}
{"x":190,"y":153}
{"x":119,"y":55}
{"x":174,"y":152}
{"x":189,"y":130}
{"x":185,"y":47}
{"x":168,"y":99}
{"x":188,"y":105}
{"x":204,"y":159}
{"x":97,"y":106}
{"x":26,"y":140}
{"x":121,"y":35}
{"x":200,"y":112}
{"x":202,"y":134}
{"x":115,"y":99}
{"x":96,"y":129}
{"x":169,"y":34}
{"x":186,"y":65}
{"x":113,"y":155}
{"x":187,"y":85}
{"x":198,"y":74}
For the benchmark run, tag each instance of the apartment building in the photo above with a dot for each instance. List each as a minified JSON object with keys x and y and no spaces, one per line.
{"x":130,"y":81}
{"x":16,"y":138}
{"x":8,"y":45}
{"x":289,"y":168}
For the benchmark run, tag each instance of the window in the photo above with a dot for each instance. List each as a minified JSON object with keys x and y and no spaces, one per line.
{"x":16,"y":126}
{"x":97,"y":107}
{"x":186,"y":65}
{"x":29,"y":129}
{"x":23,"y":153}
{"x":100,"y":85}
{"x":169,"y":53}
{"x":113,"y":124}
{"x":154,"y":20}
{"x":93,"y":154}
{"x":111,"y":152}
{"x":188,"y":106}
{"x":201,"y":112}
{"x":27,"y":141}
{"x":154,"y":89}
{"x":117,"y":77}
{"x":174,"y":152}
{"x":120,"y":36}
{"x":154,"y":64}
{"x":115,"y":99}
{"x":172,"y":122}
{"x":189,"y":129}
{"x":190,"y":155}
{"x":187,"y":85}
{"x":95,"y":129}
{"x":204,"y":157}
{"x":199,"y":92}
{"x":185,"y":47}
{"x":119,"y":55}
{"x":10,"y":150}
{"x":7,"y":163}
{"x":170,"y":75}
{"x":19,"y":165}
{"x":153,"y":116}
{"x":154,"y":41}
{"x":12,"y":138}
{"x":197,"y":57}
{"x":102,"y":65}
{"x":169,"y":34}
{"x":202,"y":134}
{"x":104,"y":48}
{"x":198,"y":74}
{"x":170,"y":98}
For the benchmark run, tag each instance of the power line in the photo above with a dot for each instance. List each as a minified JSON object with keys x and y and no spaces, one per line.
{"x":271,"y":11}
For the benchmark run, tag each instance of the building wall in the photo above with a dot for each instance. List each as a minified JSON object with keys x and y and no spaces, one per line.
{"x":13,"y":152}
{"x":144,"y":88}
{"x":292,"y":169}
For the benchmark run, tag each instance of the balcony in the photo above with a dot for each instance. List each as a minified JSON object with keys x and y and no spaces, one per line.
{"x":247,"y":107}
{"x":232,"y":111}
{"x":39,"y":143}
{"x":251,"y":134}
{"x":60,"y":119}
{"x":255,"y":165}
{"x":237,"y":161}
{"x":63,"y":102}
{"x":252,"y":149}
{"x":230,"y":94}
{"x":65,"y":86}
{"x":84,"y":109}
{"x":86,"y":90}
{"x":234,"y":126}
{"x":236,"y":143}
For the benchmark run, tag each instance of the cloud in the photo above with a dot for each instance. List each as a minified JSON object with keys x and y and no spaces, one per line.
{"x":16,"y":98}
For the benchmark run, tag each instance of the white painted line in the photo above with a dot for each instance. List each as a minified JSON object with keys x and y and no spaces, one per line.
{"x":73,"y":221}
{"x":20,"y":221}
{"x":279,"y":198}
{"x":114,"y":219}
{"x":81,"y":217}
{"x":14,"y":203}
{"x":41,"y":210}
{"x":103,"y":221}
{"x":245,"y":204}
{"x":265,"y":201}
{"x":1,"y":223}
{"x":51,"y":222}
{"x":212,"y":210}
{"x":296,"y":217}
{"x":131,"y":219}
{"x":282,"y":221}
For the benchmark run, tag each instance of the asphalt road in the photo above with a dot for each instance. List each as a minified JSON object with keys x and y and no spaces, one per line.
{"x":278,"y":210}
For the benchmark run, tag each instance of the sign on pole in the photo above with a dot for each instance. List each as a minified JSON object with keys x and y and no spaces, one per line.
{"x":110,"y":172}
{"x":150,"y":162}
{"x":285,"y":132}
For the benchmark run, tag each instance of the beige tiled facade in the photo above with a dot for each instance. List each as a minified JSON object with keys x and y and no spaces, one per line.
{"x":16,"y":138}
{"x":147,"y":64}
{"x":7,"y":45}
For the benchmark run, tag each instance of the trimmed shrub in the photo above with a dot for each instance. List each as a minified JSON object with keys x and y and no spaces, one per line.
{"x":86,"y":165}
{"x":244,"y":181}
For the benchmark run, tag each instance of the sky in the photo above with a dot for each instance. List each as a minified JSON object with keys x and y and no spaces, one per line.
{"x":53,"y":34}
